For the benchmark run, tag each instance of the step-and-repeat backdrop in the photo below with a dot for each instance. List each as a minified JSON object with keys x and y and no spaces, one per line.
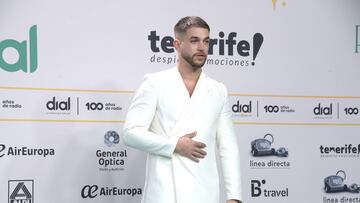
{"x":69,"y":69}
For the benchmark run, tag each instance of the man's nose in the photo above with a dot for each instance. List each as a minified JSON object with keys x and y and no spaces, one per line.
{"x":201,"y":46}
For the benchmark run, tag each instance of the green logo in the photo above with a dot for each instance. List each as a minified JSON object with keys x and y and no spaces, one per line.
{"x":21,"y":48}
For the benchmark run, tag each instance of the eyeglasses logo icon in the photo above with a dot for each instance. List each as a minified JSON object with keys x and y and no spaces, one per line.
{"x":111,"y":138}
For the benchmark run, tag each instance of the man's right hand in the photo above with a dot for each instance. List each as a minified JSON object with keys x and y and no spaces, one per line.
{"x":189,"y":148}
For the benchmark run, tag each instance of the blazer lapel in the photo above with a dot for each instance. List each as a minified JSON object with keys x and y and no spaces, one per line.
{"x":200,"y":92}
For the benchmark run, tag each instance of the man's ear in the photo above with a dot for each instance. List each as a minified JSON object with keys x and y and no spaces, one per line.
{"x":176,"y":43}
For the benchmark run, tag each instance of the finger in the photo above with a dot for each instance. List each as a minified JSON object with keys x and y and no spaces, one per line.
{"x":194,"y":159}
{"x":191,"y":135}
{"x":200,"y":151}
{"x":198,"y":155}
{"x":200,"y":144}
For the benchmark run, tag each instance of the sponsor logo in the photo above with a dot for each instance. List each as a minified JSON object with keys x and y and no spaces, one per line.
{"x":351,"y":111}
{"x":25,"y":151}
{"x":71,"y":105}
{"x":110,"y":160}
{"x":61,"y":106}
{"x":242,"y":109}
{"x":259,"y":189}
{"x":111,"y":138}
{"x":22,"y":52}
{"x":343,"y":199}
{"x":10,"y":104}
{"x":54,"y":104}
{"x":99,"y":106}
{"x":93,"y":191}
{"x":357,"y":38}
{"x":275,"y":3}
{"x":263,"y":147}
{"x":225,"y":50}
{"x":286,"y":109}
{"x":278,"y":109}
{"x":324,"y":111}
{"x":345,"y":151}
{"x":21,"y":191}
{"x":338,"y":184}
{"x":273,"y":164}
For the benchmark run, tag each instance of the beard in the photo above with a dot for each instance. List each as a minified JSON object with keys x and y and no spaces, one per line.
{"x":194,"y":62}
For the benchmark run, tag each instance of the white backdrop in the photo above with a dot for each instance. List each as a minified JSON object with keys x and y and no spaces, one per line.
{"x":68,"y":71}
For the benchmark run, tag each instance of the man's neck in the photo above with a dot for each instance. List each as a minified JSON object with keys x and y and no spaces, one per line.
{"x":190,"y":77}
{"x":189,"y":73}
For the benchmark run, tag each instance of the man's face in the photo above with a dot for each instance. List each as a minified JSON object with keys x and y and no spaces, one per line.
{"x":194,"y":46}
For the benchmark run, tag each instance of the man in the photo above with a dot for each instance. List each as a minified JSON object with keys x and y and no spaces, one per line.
{"x":179,"y":116}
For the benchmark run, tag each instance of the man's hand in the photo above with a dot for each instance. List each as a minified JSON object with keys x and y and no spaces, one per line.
{"x":190,"y":148}
{"x":233,"y":201}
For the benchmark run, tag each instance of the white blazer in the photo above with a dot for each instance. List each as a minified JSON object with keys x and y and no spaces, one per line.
{"x":160,"y":113}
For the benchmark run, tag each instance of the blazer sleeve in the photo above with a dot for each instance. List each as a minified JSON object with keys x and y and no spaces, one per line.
{"x":141,"y":113}
{"x":229,"y":152}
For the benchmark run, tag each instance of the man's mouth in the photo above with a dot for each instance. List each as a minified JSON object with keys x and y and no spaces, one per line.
{"x":200,"y":55}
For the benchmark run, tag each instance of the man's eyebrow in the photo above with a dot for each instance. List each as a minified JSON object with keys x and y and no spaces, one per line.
{"x":195,"y":37}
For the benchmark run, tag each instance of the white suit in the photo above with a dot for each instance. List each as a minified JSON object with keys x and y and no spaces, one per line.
{"x":160,"y":113}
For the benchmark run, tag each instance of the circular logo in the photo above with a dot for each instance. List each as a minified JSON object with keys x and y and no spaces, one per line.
{"x":111,"y":138}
